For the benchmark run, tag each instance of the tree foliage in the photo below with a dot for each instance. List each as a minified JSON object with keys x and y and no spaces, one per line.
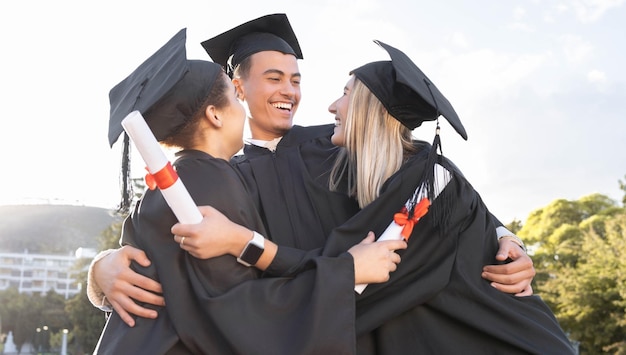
{"x":87,"y":321}
{"x":23,"y":313}
{"x":110,"y":237}
{"x":579,"y":251}
{"x":514,"y":226}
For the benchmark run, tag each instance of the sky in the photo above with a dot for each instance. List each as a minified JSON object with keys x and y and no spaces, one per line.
{"x":540,"y":86}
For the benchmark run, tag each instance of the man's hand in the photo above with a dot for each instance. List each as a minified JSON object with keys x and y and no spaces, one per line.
{"x":120,"y":284}
{"x":514,"y":277}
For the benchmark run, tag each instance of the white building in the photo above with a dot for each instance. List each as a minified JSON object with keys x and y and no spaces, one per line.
{"x":39,"y":273}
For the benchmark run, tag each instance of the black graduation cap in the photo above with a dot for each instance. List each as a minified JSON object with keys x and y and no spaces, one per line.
{"x":167,"y":89}
{"x":148,"y":83}
{"x":266,"y":33}
{"x":406,"y":92}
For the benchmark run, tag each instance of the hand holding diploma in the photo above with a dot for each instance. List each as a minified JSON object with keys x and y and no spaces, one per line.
{"x":161,"y":170}
{"x":402,"y":224}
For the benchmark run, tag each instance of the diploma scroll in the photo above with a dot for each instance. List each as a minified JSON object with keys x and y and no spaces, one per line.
{"x":172,"y":188}
{"x":394,"y":230}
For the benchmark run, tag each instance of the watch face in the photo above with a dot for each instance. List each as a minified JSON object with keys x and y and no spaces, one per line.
{"x":252,"y":254}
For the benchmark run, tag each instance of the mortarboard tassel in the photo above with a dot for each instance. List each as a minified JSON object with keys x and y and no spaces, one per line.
{"x":440,"y":209}
{"x":126,"y":184}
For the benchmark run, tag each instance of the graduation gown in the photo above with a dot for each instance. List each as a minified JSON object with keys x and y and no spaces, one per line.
{"x":304,"y":158}
{"x":290,"y":187}
{"x":436,"y":302}
{"x":210,"y":309}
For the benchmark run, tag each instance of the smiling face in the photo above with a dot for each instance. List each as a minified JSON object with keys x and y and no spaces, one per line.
{"x":339,"y":108}
{"x":272,"y":93}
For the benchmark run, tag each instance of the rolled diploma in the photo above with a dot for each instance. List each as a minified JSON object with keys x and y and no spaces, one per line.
{"x":176,"y":195}
{"x":393,"y":230}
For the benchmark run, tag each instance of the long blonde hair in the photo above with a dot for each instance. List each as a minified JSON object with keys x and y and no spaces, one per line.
{"x":376,"y":145}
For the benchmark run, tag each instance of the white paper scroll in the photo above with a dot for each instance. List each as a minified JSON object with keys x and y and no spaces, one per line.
{"x":176,"y":195}
{"x":393,"y":231}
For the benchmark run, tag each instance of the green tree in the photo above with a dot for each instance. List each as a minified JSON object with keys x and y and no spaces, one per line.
{"x":8,"y":309}
{"x":578,"y":251}
{"x":21,"y":314}
{"x":514,"y":226}
{"x":87,"y":321}
{"x":590,"y":297}
{"x":554,"y":232}
{"x":53,"y":312}
{"x":110,"y":237}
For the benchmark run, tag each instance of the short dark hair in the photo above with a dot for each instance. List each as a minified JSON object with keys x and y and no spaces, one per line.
{"x":185,"y":135}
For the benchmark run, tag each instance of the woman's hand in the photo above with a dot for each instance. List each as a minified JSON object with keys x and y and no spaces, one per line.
{"x":214,"y":236}
{"x":373,"y":261}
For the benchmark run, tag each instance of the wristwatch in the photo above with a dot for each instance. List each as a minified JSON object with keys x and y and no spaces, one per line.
{"x":252,"y":251}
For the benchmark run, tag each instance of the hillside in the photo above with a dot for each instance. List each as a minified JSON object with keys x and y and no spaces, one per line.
{"x":52,"y":228}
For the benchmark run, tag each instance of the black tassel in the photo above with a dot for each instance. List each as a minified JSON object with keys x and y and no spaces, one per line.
{"x":433,"y":158}
{"x":125,"y":181}
{"x":440,"y":207}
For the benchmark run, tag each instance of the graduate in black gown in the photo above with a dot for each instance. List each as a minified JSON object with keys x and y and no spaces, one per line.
{"x":435,"y":302}
{"x":192,"y":105}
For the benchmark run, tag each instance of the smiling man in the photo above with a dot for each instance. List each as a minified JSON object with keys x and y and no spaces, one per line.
{"x":285,"y":166}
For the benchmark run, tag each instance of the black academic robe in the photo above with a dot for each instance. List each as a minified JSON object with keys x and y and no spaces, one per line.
{"x":304,"y":158}
{"x":436,"y":302}
{"x":290,"y":187}
{"x":210,"y":310}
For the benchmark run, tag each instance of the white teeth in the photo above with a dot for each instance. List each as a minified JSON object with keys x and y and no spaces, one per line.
{"x":282,"y":105}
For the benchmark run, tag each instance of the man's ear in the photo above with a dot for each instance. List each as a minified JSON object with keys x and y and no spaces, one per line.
{"x":211,"y":114}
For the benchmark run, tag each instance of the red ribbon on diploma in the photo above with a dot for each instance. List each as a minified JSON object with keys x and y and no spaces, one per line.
{"x":402,"y":218}
{"x":163,"y":178}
